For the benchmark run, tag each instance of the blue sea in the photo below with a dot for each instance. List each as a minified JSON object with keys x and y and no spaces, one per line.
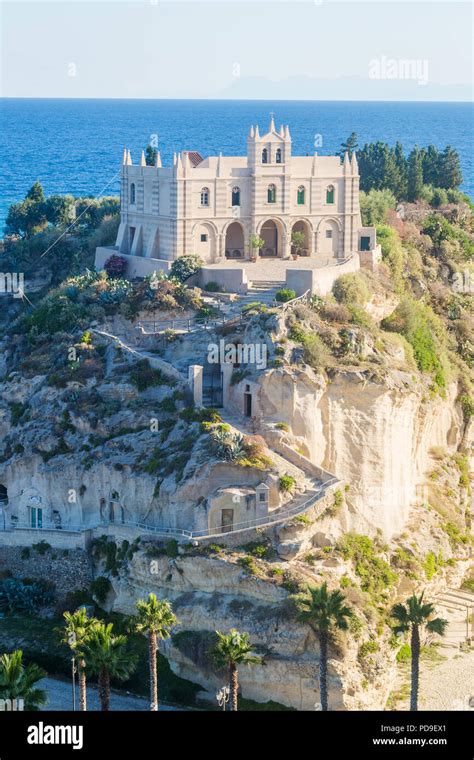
{"x":76,"y":146}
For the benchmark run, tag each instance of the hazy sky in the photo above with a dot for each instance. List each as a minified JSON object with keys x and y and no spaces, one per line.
{"x":272,"y":49}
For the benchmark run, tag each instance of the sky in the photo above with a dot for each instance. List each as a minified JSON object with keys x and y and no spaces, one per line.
{"x":275,"y":49}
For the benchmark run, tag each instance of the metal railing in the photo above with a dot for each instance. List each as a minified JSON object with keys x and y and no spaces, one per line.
{"x":278,"y":516}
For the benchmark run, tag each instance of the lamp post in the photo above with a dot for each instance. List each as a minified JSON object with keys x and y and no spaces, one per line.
{"x":223,"y":696}
{"x":72,"y":641}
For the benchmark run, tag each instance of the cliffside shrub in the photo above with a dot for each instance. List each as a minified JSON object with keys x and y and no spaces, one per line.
{"x":393,"y":254}
{"x":426,"y":334}
{"x":375,"y":573}
{"x":430,"y":565}
{"x":368,"y":647}
{"x":100,"y":587}
{"x":16,"y":412}
{"x":315,"y":353}
{"x":404,"y":653}
{"x":144,"y":376}
{"x":351,"y":288}
{"x":287,"y":483}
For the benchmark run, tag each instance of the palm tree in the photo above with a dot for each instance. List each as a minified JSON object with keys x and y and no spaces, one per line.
{"x":18,"y":681}
{"x":77,"y":629}
{"x":324,"y":611}
{"x":155,"y":620}
{"x":233,"y":649}
{"x":107,"y":657}
{"x":412,"y":616}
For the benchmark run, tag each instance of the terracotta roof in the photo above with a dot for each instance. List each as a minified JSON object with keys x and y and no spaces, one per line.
{"x":195,"y":157}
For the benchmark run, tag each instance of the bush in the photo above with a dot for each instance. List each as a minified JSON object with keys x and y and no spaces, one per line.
{"x":315,"y":353}
{"x":185,"y":266}
{"x":374,"y":206}
{"x":393,"y":253}
{"x":430,"y":565}
{"x":143,"y":376}
{"x":375,"y":573}
{"x":213,"y":287}
{"x":287,"y":483}
{"x":368,"y":647}
{"x":115,"y":266}
{"x":285,"y":294}
{"x":21,"y":596}
{"x":404,"y":653}
{"x":100,"y":587}
{"x":425,"y":333}
{"x":351,"y":289}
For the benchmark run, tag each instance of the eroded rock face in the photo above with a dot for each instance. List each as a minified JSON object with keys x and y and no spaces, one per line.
{"x":215,"y":594}
{"x":375,"y":435}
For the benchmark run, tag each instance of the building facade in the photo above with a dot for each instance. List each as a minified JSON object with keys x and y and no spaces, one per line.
{"x":214,"y":207}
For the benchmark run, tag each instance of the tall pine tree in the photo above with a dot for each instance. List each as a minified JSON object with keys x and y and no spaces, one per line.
{"x":450,"y":174}
{"x":415,"y":174}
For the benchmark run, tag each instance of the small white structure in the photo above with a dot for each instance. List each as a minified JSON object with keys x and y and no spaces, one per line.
{"x":213,"y":206}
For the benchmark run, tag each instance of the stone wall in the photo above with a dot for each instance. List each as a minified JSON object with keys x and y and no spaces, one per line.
{"x":138,"y":266}
{"x":69,"y":569}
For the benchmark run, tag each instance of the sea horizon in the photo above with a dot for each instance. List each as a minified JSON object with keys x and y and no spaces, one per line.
{"x":75,"y":145}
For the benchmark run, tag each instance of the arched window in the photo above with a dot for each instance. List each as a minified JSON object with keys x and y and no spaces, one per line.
{"x":271,"y":194}
{"x":300,"y":196}
{"x":132,"y":192}
{"x":330,"y":194}
{"x":205,"y":196}
{"x":278,"y":156}
{"x":236,"y":196}
{"x":264,"y":156}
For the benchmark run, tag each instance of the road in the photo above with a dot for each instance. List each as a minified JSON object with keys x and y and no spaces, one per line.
{"x":60,"y":698}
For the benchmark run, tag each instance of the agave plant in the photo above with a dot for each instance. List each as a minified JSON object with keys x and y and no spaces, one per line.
{"x":228,"y":446}
{"x":16,"y":596}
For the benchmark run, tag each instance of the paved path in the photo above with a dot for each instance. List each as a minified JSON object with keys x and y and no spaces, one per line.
{"x":448,"y":685}
{"x":274,"y":268}
{"x":60,"y":698}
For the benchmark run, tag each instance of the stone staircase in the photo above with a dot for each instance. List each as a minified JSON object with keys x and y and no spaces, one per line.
{"x":457,"y":606}
{"x":263,"y":291}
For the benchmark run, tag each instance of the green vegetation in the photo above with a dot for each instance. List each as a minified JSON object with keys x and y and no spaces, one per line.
{"x":231,"y":651}
{"x":374,"y":206}
{"x":410,"y":618}
{"x":100,"y":587}
{"x":143,"y":376}
{"x":285,"y":294}
{"x":155,"y":620}
{"x":185,"y":266}
{"x":425,"y":332}
{"x":382,"y":167}
{"x":325,"y":612}
{"x":375,"y":573}
{"x":351,"y":289}
{"x":287,"y":483}
{"x":371,"y":646}
{"x":20,"y":681}
{"x":315,"y":353}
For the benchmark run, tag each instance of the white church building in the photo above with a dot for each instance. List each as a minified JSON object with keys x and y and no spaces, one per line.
{"x":215,"y":206}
